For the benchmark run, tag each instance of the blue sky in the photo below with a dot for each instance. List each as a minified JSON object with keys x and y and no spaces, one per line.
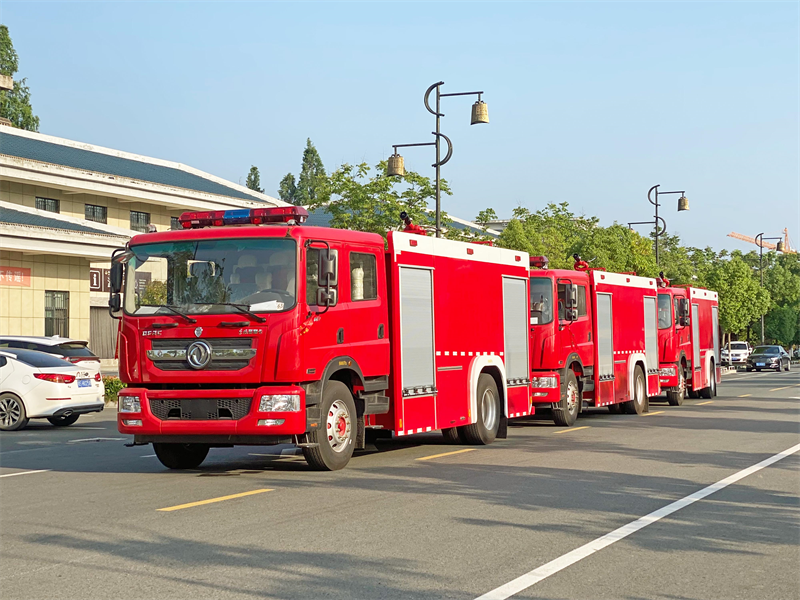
{"x":590,"y":102}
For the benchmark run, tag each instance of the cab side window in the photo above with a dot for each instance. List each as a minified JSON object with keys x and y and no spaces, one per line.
{"x":312,"y":273}
{"x":562,"y":301}
{"x":581,"y":301}
{"x":363,"y":277}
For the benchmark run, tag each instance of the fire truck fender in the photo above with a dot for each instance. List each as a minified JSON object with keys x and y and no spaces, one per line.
{"x":708,"y":359}
{"x":571,"y":359}
{"x":633,"y":360}
{"x":314,"y":389}
{"x":486,"y":363}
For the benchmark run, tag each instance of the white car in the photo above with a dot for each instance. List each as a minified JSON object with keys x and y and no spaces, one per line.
{"x":75,"y":351}
{"x":36,"y":385}
{"x":738,"y":353}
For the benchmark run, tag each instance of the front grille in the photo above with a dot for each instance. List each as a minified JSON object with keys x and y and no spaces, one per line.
{"x":200,"y":409}
{"x":224,"y":353}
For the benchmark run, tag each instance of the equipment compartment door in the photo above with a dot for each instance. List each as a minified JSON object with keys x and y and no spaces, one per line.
{"x":651,"y":334}
{"x":697,"y":368}
{"x":715,"y":333}
{"x":605,"y":351}
{"x":416,"y":338}
{"x":515,"y":339}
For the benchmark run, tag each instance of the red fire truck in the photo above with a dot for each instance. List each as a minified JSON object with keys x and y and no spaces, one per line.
{"x":688,"y":341}
{"x":247,"y":328}
{"x":593,"y":339}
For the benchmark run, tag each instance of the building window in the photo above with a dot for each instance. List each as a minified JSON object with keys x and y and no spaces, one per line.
{"x":140,"y":221}
{"x":48,"y":204}
{"x":98,"y":214}
{"x":174,"y":223}
{"x":363,"y":277}
{"x":56,"y":314}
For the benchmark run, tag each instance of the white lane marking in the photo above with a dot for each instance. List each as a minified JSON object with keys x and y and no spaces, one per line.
{"x":87,"y":428}
{"x":97,"y":439}
{"x":147,"y":456}
{"x":25,"y":473}
{"x":570,"y":558}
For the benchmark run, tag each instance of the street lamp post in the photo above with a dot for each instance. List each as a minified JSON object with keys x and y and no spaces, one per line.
{"x":480,"y":114}
{"x":683,"y":204}
{"x":779,"y":247}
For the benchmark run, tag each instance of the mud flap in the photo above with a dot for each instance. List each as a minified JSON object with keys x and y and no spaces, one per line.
{"x":502,"y":429}
{"x":361,"y":435}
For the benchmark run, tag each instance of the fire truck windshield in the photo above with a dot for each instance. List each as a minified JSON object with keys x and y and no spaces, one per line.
{"x":541,"y":300}
{"x":664,"y":311}
{"x":211,"y":277}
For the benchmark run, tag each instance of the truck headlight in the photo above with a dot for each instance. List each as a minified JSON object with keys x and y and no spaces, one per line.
{"x":667,"y":371}
{"x":544,"y":382}
{"x":129,"y":404}
{"x":279,"y":403}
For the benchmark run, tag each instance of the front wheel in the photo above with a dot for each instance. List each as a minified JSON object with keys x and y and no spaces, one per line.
{"x":565,"y":412}
{"x":63,"y":421}
{"x":711,"y":391}
{"x":788,"y":366}
{"x":675,"y":396}
{"x":484,"y":430}
{"x":335,"y":436}
{"x":12,"y":413}
{"x":638,"y":404}
{"x":181,"y":456}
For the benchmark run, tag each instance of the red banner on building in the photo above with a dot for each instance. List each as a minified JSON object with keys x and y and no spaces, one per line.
{"x":19,"y":276}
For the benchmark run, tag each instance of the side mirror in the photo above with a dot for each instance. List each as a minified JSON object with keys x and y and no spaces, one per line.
{"x":327,"y":297}
{"x":3,"y":361}
{"x":114,"y":305}
{"x":572,"y":314}
{"x":116,"y":277}
{"x":571,"y":297}
{"x":327,"y":268}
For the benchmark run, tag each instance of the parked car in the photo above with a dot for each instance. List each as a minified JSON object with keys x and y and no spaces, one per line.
{"x":37,"y":385}
{"x":769,"y":357}
{"x":75,"y":351}
{"x":739,"y":351}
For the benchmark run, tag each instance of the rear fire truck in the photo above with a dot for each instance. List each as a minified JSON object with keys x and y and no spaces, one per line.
{"x":593,"y":340}
{"x":688,"y":341}
{"x":246,"y":328}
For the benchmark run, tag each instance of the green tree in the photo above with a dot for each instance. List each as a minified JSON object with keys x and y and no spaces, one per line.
{"x":780,"y":325}
{"x":15,"y":104}
{"x":288,"y":189}
{"x":741,"y":299}
{"x":618,"y":249}
{"x":485,"y":216}
{"x":312,"y":182}
{"x":254,"y":180}
{"x":366,"y":201}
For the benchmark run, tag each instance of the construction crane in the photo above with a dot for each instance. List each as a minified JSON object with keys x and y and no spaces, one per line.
{"x":787,"y":247}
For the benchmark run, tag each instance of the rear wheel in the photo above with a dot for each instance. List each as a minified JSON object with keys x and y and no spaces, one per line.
{"x":638,"y":404}
{"x":566,"y":411}
{"x":335,"y":437}
{"x":181,"y":456}
{"x":453,"y":435}
{"x":614,"y":409}
{"x":484,"y":430}
{"x":676,"y":395}
{"x":711,"y":391}
{"x":63,"y":421}
{"x":12,"y":413}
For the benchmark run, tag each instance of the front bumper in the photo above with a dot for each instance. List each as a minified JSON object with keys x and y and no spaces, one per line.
{"x":148,"y":427}
{"x":542,"y":396}
{"x":668,"y":376}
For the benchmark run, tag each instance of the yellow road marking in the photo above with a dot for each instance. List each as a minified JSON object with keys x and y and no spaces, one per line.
{"x":572,"y":429}
{"x":212,"y":500}
{"x":706,"y":402}
{"x":779,"y":389}
{"x":745,"y":395}
{"x":446,"y":454}
{"x":650,"y":414}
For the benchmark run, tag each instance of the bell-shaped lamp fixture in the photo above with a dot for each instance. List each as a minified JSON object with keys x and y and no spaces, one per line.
{"x":396,"y":165}
{"x":683,"y":203}
{"x":480,"y":112}
{"x":779,"y":246}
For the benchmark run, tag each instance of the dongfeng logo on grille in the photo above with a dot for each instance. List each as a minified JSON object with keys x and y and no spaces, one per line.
{"x":198,"y":355}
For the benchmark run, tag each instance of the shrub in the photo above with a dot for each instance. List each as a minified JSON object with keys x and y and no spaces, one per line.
{"x":112,"y":385}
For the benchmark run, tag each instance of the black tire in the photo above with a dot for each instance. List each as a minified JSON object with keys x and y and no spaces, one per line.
{"x":758,"y":370}
{"x":13,"y":415}
{"x":788,"y":366}
{"x":489,"y":412}
{"x":675,"y":396}
{"x":63,"y":421}
{"x":335,"y":436}
{"x":566,"y":411}
{"x":711,"y":391}
{"x":638,"y":404}
{"x":181,"y":456}
{"x":615,"y":409}
{"x":451,"y":435}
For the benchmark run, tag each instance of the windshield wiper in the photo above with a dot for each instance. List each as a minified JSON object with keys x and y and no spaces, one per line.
{"x":240,"y":307}
{"x":173,"y":309}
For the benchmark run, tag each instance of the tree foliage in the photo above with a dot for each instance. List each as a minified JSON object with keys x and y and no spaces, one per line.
{"x":311,"y":187}
{"x":254,"y":180}
{"x":741,"y":299}
{"x":15,"y":104}
{"x":287,"y":189}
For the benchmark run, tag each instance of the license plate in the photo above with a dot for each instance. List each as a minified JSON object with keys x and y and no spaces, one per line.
{"x":760,"y":364}
{"x":84,"y":383}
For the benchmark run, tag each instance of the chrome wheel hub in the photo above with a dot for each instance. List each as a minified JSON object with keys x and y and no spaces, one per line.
{"x":10,"y":411}
{"x":489,"y":409}
{"x":572,"y":397}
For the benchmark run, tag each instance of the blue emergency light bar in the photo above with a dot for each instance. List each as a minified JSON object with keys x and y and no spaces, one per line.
{"x":244,"y":216}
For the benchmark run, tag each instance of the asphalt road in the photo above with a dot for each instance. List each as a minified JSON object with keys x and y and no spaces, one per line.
{"x":88,"y":524}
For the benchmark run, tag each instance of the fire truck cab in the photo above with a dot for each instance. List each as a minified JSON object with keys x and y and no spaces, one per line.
{"x":593,"y":339}
{"x":245,"y":328}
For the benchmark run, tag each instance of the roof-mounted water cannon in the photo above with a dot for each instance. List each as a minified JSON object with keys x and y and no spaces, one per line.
{"x":290,"y":215}
{"x":411,"y":227}
{"x":662,"y":281}
{"x":539,"y":262}
{"x":580,"y":265}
